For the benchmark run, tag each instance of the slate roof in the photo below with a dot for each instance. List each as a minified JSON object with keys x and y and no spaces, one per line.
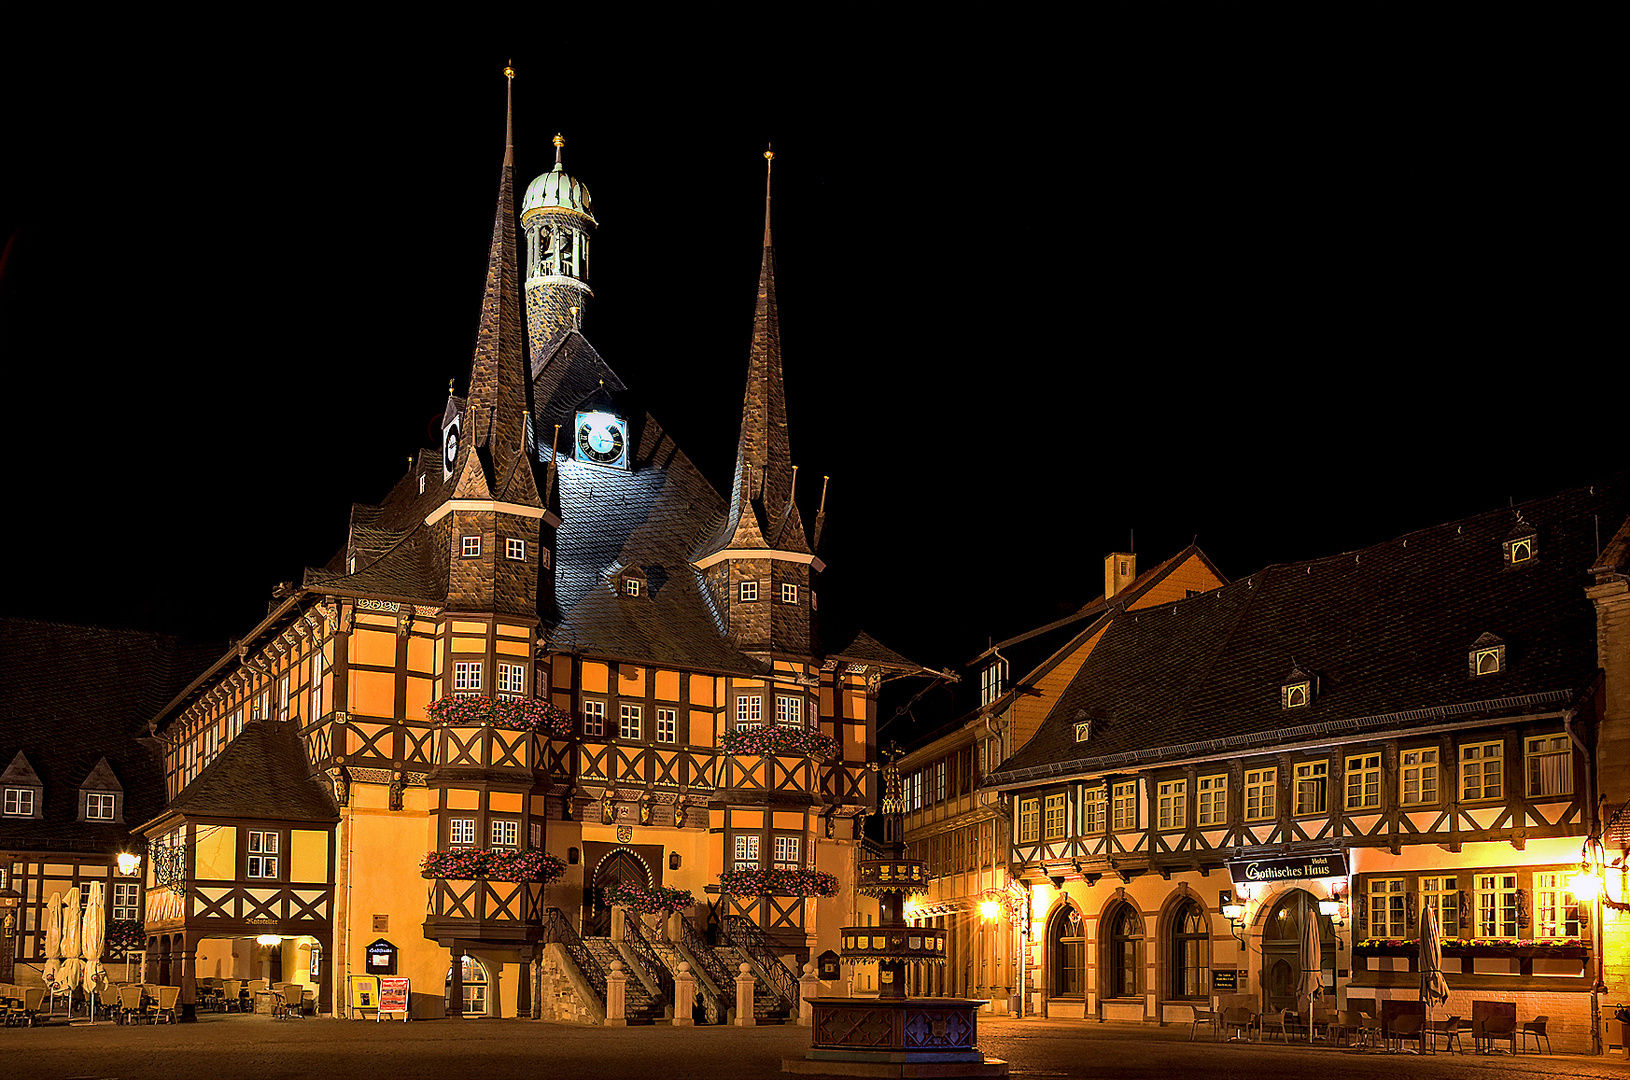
{"x":1386,"y":632}
{"x":264,"y":773}
{"x":71,"y":695}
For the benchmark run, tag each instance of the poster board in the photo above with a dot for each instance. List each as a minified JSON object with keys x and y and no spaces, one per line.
{"x":362,"y":992}
{"x":394,"y":995}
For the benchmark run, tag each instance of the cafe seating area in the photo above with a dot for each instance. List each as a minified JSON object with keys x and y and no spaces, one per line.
{"x":149,"y":1003}
{"x":1387,"y":1026}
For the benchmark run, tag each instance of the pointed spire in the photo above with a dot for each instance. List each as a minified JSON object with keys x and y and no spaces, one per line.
{"x":495,"y":409}
{"x":559,"y":144}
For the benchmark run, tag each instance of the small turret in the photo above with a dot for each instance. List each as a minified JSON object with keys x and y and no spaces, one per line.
{"x":557,"y":216}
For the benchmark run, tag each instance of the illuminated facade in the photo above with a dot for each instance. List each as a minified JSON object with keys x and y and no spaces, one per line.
{"x":553,"y":638}
{"x":1422,"y":723}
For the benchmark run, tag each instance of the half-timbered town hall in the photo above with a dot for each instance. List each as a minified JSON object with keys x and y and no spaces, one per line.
{"x":553,"y":660}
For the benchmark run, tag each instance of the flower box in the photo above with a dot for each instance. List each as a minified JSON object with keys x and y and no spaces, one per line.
{"x":511,"y":713}
{"x":1526,"y":949}
{"x":660,"y":900}
{"x":771,"y":740}
{"x":778,"y":882}
{"x":526,"y":864}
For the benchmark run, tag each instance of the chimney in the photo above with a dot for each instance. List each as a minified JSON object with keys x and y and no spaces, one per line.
{"x":1119,"y":569}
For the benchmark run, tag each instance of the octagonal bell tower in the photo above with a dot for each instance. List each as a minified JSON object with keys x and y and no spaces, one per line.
{"x":558,"y":219}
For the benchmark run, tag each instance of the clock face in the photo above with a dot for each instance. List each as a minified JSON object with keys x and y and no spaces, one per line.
{"x":451,"y":449}
{"x":602,"y":439}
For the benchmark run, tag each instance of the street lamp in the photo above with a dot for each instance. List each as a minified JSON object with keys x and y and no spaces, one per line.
{"x":129,"y":864}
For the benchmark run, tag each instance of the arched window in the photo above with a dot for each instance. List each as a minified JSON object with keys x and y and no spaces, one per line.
{"x":1124,"y":960}
{"x":1188,"y":956}
{"x":474,"y":975}
{"x":1067,"y":953}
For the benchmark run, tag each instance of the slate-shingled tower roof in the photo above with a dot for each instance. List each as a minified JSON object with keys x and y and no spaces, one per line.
{"x":1385,"y":631}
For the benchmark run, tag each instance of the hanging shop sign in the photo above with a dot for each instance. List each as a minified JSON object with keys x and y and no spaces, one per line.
{"x":1291,"y":868}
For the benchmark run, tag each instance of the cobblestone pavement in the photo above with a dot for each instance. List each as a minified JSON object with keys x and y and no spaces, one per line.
{"x":259,"y":1048}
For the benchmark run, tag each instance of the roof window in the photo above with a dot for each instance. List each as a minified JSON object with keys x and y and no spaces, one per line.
{"x":1296,"y":692}
{"x":1487,"y":656}
{"x":1521,"y":545}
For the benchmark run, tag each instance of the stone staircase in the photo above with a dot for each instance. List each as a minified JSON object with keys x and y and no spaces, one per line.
{"x":638,"y":1005}
{"x":768,"y":1008}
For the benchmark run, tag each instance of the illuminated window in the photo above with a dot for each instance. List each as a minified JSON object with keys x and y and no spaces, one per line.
{"x":631,"y":586}
{"x":317,"y":685}
{"x":1364,"y":782}
{"x":749,"y":590}
{"x":126,"y":900}
{"x":511,"y":679}
{"x":1310,"y":787}
{"x":667,"y":725}
{"x":1556,"y":912}
{"x":1261,"y":788}
{"x":786,"y":852}
{"x":746,"y":851}
{"x":1418,"y":773}
{"x":505,"y":833}
{"x":789,"y":711}
{"x":1481,"y":769}
{"x":1123,"y":806}
{"x":1548,"y":762}
{"x":283,"y":698}
{"x":594,"y":718}
{"x":1029,"y":821}
{"x":1092,"y":809}
{"x":749,"y":711}
{"x":469,"y":546}
{"x":1387,"y":907}
{"x":1443,"y":894}
{"x":628,"y":723}
{"x":1496,"y":905}
{"x":1211,"y":801}
{"x":461,"y":832}
{"x":467,"y":675}
{"x":1053,"y":822}
{"x":263,"y":852}
{"x":990,"y":682}
{"x":1171,"y":799}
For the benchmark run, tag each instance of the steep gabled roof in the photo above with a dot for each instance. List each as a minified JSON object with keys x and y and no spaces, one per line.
{"x":1385,"y":631}
{"x":263,"y":773}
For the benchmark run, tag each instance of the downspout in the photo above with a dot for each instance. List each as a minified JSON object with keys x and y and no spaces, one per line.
{"x":1599,"y":986}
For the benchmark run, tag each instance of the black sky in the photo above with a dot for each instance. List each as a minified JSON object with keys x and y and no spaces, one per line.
{"x":1031,"y":301}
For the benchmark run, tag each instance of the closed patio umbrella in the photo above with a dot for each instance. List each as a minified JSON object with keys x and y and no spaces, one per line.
{"x":1311,"y":957}
{"x":1434,"y":987}
{"x":53,"y":937}
{"x":71,"y":928}
{"x":91,"y":947}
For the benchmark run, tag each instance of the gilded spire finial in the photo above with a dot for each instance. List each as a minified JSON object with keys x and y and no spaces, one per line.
{"x":509,"y":115}
{"x":559,"y":142}
{"x":449,"y":387}
{"x":769,"y":161}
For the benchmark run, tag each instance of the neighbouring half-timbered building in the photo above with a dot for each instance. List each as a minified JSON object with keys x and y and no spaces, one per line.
{"x":1361,"y":737}
{"x":552,"y":660}
{"x":958,"y":829}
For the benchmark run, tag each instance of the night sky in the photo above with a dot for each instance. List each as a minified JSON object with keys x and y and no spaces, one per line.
{"x":1029,"y":304}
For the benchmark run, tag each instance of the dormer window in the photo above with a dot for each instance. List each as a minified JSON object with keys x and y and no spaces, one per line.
{"x":992,"y":678}
{"x":1521,"y":544}
{"x":98,"y":806}
{"x":23,"y":793}
{"x":421,"y":485}
{"x":101,"y":796}
{"x":1487,"y":656}
{"x":1083,"y":730}
{"x":1296,"y":692}
{"x":631,"y":586}
{"x":19,"y":802}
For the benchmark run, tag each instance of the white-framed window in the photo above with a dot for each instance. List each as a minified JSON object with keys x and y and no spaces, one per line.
{"x":1171,"y":797}
{"x":192,"y":761}
{"x":98,"y":806}
{"x":990,"y":682}
{"x":749,"y":711}
{"x":469,"y":546}
{"x":1496,"y":905}
{"x":466,"y":675}
{"x":631,"y":586}
{"x":789,"y":711}
{"x":1053,"y":817}
{"x":1364,"y":782}
{"x":317,"y":684}
{"x":1123,"y":806}
{"x":535,"y":833}
{"x":263,"y":851}
{"x":1029,"y":821}
{"x":594,"y":718}
{"x":1311,"y":777}
{"x":1211,"y":800}
{"x":1556,"y":911}
{"x":1481,"y":768}
{"x":126,"y":900}
{"x":786,"y":852}
{"x":941,"y":779}
{"x":461,"y":832}
{"x":628,"y":721}
{"x":421,"y":485}
{"x":505,"y":832}
{"x":749,"y":590}
{"x":262,"y":706}
{"x":235,"y":726}
{"x":789,"y":592}
{"x":1261,"y":794}
{"x":1092,"y":810}
{"x":914,"y":791}
{"x":283,"y":698}
{"x":1387,"y":907}
{"x":746,"y":851}
{"x":1418,"y":776}
{"x":1548,"y":764}
{"x":514,"y":549}
{"x":511,"y":678}
{"x":667,"y":725}
{"x":1443,"y":893}
{"x":19,"y":802}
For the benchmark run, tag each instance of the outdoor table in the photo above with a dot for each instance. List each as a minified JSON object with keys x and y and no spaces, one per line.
{"x":265,"y":1000}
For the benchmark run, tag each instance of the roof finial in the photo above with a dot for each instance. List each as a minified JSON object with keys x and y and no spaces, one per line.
{"x":769,"y":160}
{"x":559,"y":142}
{"x":509,"y":115}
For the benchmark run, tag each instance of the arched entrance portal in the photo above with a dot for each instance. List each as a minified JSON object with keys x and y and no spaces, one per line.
{"x":619,"y":866}
{"x":1281,"y":945}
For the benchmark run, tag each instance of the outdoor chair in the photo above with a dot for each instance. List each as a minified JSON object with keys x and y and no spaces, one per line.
{"x":107,"y":998}
{"x":1237,"y":1018}
{"x":1323,"y":1020}
{"x":1409,"y":1026}
{"x":25,"y":1008}
{"x":288,"y":1003}
{"x":1205,"y":1016}
{"x":1535,"y":1028}
{"x":308,"y":1002}
{"x":1279,"y":1020}
{"x":1369,"y":1027}
{"x":130,"y":1003}
{"x":1503,"y":1028}
{"x":1447,"y":1030}
{"x":232,"y":995}
{"x":163,"y":1004}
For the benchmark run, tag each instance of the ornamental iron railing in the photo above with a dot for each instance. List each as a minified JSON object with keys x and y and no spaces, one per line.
{"x":169,"y":862}
{"x":650,"y":961}
{"x":723,"y":978}
{"x":558,"y":928}
{"x":747,"y":937}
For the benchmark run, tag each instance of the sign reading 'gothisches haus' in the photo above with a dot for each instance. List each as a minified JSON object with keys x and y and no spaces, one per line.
{"x":1292,"y":868}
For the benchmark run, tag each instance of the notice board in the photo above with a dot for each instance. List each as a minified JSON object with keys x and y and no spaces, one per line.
{"x":362,"y":991}
{"x":394,"y":995}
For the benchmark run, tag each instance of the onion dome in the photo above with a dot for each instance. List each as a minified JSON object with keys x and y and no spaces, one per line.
{"x":557,"y":188}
